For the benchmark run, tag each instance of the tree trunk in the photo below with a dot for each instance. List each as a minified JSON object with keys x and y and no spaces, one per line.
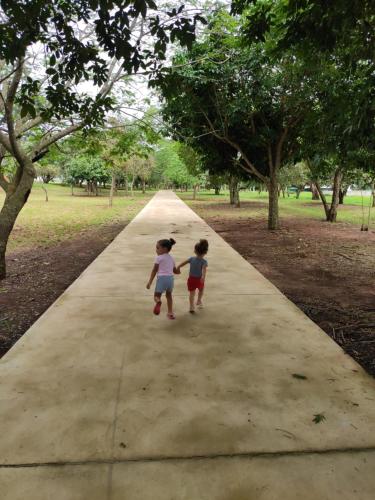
{"x":314,"y":192}
{"x":234,"y":194}
{"x":195,"y":191}
{"x":237,"y":203}
{"x":342,"y":194}
{"x":332,"y":216}
{"x":45,"y":191}
{"x":273,"y":201}
{"x":143,"y":186}
{"x":323,"y":198}
{"x":373,"y":195}
{"x":15,"y":199}
{"x":113,"y":183}
{"x":217,"y":190}
{"x":72,"y":189}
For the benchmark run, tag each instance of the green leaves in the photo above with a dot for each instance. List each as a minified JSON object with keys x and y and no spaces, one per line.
{"x":86,"y":168}
{"x":28,"y":109}
{"x":171,"y":164}
{"x":73,"y":56}
{"x":26,"y":97}
{"x":223,"y":92}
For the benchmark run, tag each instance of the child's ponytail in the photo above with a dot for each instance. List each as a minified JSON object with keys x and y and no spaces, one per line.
{"x":201,"y":247}
{"x":168,"y":244}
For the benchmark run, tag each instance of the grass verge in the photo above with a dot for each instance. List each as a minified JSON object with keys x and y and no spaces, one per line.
{"x":42,"y":223}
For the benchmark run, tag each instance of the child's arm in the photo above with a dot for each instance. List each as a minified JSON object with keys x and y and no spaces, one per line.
{"x":182,"y":265}
{"x":204,"y":271}
{"x":152,"y":276}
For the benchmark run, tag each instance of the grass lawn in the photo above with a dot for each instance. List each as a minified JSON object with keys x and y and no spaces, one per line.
{"x":255,"y":205}
{"x":64,"y":216}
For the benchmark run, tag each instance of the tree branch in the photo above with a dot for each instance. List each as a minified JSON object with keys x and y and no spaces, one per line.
{"x":47,"y":141}
{"x":108,"y":85}
{"x":28,"y":125}
{"x":279,"y":147}
{"x":9,"y":103}
{"x":252,"y":124}
{"x":11,"y":73}
{"x":3,"y":181}
{"x":270,"y":159}
{"x":251,"y":166}
{"x":4,"y":141}
{"x":213,"y":130}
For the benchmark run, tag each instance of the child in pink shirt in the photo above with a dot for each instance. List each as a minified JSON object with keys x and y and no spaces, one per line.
{"x":164,"y":267}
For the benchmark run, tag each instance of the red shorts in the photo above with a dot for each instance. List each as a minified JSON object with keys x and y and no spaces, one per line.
{"x":194,"y":283}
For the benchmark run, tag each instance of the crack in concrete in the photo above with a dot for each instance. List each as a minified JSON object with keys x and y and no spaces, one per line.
{"x":161,"y":458}
{"x":212,"y":294}
{"x":114,"y":424}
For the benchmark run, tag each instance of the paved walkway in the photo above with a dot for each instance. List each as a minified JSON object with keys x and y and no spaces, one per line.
{"x":101,"y":400}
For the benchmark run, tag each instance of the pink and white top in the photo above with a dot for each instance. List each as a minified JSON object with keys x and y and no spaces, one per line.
{"x":166,"y":264}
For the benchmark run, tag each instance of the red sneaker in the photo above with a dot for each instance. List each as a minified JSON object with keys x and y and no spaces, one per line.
{"x":157,"y":308}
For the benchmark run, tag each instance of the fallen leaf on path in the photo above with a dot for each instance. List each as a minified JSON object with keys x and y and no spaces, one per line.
{"x":319,"y":417}
{"x":299,"y":376}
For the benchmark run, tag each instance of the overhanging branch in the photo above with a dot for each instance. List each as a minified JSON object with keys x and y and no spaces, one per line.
{"x":4,"y":141}
{"x":9,"y":103}
{"x":3,"y":182}
{"x":47,"y":141}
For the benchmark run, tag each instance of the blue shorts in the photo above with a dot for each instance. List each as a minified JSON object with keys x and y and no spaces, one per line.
{"x":164,"y":284}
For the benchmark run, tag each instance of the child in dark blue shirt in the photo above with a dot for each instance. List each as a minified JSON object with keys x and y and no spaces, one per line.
{"x":197,"y":273}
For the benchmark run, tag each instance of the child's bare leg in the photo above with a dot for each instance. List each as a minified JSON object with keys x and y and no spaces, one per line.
{"x":200,"y":295}
{"x":169,"y":302}
{"x":191,"y":300}
{"x":157,"y":297}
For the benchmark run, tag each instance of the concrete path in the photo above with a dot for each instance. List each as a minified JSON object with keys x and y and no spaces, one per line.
{"x":101,"y":400}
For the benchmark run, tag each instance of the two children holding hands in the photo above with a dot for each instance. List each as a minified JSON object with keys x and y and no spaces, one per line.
{"x":165,"y":268}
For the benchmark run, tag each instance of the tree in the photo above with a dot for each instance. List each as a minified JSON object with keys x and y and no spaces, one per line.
{"x":47,"y":51}
{"x":294,"y":175}
{"x":340,"y":94}
{"x":48,"y":167}
{"x":328,"y":172}
{"x":171,"y":165}
{"x":89,"y":169}
{"x":307,"y":24}
{"x":336,"y":41}
{"x":47,"y":172}
{"x":242,"y":96}
{"x":145,"y":170}
{"x":194,"y":165}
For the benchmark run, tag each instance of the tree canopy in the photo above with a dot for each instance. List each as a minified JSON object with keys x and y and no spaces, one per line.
{"x":63,"y":66}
